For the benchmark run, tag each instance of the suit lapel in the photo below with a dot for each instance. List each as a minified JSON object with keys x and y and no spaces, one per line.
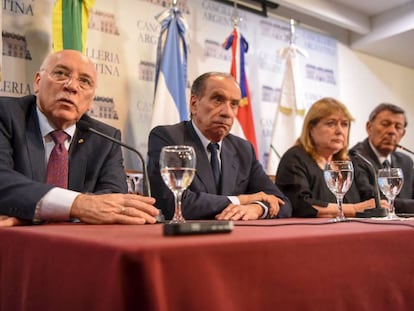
{"x":372,"y":155}
{"x":78,"y":157}
{"x":35,"y":147}
{"x":229,"y":167}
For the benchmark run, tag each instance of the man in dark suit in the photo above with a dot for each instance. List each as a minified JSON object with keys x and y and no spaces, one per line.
{"x":64,"y":90}
{"x":243,"y":191}
{"x":386,"y":126}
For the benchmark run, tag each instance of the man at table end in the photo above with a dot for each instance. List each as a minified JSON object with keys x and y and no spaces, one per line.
{"x":86,"y":179}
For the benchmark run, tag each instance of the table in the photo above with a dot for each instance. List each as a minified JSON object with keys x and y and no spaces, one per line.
{"x":266,"y":265}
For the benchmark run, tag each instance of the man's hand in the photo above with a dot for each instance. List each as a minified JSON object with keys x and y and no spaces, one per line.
{"x":273,"y":201}
{"x":6,"y":221}
{"x":240,"y":212}
{"x":114,"y":208}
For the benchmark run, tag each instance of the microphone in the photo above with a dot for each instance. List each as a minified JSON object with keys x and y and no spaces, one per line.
{"x":378,"y":211}
{"x":81,"y":124}
{"x":405,"y":149}
{"x":146,"y":185}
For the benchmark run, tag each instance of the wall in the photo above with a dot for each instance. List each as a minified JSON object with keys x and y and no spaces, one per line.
{"x":366,"y":81}
{"x":124,"y":53}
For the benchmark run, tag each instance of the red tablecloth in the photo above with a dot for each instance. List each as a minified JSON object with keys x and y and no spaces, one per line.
{"x":342,"y":266}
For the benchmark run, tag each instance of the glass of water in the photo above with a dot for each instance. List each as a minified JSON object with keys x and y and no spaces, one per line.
{"x":177,"y":165}
{"x":338,"y":177}
{"x":390,"y":181}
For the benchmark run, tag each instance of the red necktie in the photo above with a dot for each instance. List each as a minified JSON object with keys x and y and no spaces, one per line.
{"x":57,"y":167}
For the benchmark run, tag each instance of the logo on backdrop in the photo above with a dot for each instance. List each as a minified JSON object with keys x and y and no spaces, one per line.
{"x":215,"y":50}
{"x":219,"y":14}
{"x":320,"y":74}
{"x":103,"y":21}
{"x":103,"y":107}
{"x":18,"y":7}
{"x":318,"y":43}
{"x":274,"y":30}
{"x":148,"y":31}
{"x":181,"y":5}
{"x":15,"y":88}
{"x":270,"y":94}
{"x":15,"y":45}
{"x":106,"y":62}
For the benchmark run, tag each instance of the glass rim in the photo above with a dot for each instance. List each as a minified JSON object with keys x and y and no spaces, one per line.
{"x":178,"y":147}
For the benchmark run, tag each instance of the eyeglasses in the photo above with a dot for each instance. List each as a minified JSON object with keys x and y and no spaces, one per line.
{"x":65,"y":77}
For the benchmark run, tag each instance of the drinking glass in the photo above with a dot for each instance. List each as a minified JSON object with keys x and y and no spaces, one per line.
{"x":177,"y":164}
{"x":390,"y":181}
{"x":338,"y":177}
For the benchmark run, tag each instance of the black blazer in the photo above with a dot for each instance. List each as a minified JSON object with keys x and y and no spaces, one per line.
{"x":404,"y":202}
{"x":241,"y":174}
{"x":302,"y":180}
{"x":95,"y":164}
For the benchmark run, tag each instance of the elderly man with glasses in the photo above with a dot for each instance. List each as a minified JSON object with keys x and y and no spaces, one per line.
{"x":52,"y":170}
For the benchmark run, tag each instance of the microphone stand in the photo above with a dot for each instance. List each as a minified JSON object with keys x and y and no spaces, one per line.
{"x":378,"y":211}
{"x":405,"y":149}
{"x":146,"y":186}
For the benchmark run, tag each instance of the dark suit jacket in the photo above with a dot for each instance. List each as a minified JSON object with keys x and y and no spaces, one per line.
{"x":404,"y":202}
{"x":241,"y":174}
{"x":302,"y":180}
{"x":95,"y":164}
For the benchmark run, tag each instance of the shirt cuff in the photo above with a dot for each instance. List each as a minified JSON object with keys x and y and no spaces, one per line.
{"x":233,"y":199}
{"x":55,"y":205}
{"x":265,"y":209}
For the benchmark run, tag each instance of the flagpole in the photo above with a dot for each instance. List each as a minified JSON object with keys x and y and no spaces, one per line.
{"x":292,"y":31}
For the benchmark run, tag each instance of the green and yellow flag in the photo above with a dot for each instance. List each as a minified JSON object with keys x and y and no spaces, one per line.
{"x":70,"y":24}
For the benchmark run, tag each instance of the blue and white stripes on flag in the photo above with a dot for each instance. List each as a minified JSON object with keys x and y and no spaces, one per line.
{"x":170,"y":102}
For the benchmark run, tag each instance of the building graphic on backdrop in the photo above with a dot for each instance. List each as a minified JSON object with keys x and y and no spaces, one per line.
{"x":274,"y":30}
{"x":215,"y":50}
{"x":146,"y":71}
{"x":15,"y":45}
{"x":103,"y":107}
{"x":270,"y":94}
{"x":103,"y":22}
{"x":320,"y":74}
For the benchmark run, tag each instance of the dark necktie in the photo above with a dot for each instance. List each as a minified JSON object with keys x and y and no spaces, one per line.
{"x":57,"y":166}
{"x":214,"y":162}
{"x":386,"y":164}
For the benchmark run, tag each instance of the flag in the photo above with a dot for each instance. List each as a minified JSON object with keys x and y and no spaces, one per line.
{"x":290,"y":110}
{"x":170,"y":102}
{"x":239,"y":47}
{"x":70,"y":24}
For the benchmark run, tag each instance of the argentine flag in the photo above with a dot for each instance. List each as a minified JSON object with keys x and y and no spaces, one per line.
{"x":170,"y":102}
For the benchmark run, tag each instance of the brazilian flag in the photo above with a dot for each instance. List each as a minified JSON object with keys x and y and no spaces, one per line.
{"x":70,"y":24}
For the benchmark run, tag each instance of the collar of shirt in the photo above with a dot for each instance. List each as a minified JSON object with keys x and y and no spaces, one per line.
{"x":46,"y":127}
{"x":380,"y":158}
{"x":204,"y":140}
